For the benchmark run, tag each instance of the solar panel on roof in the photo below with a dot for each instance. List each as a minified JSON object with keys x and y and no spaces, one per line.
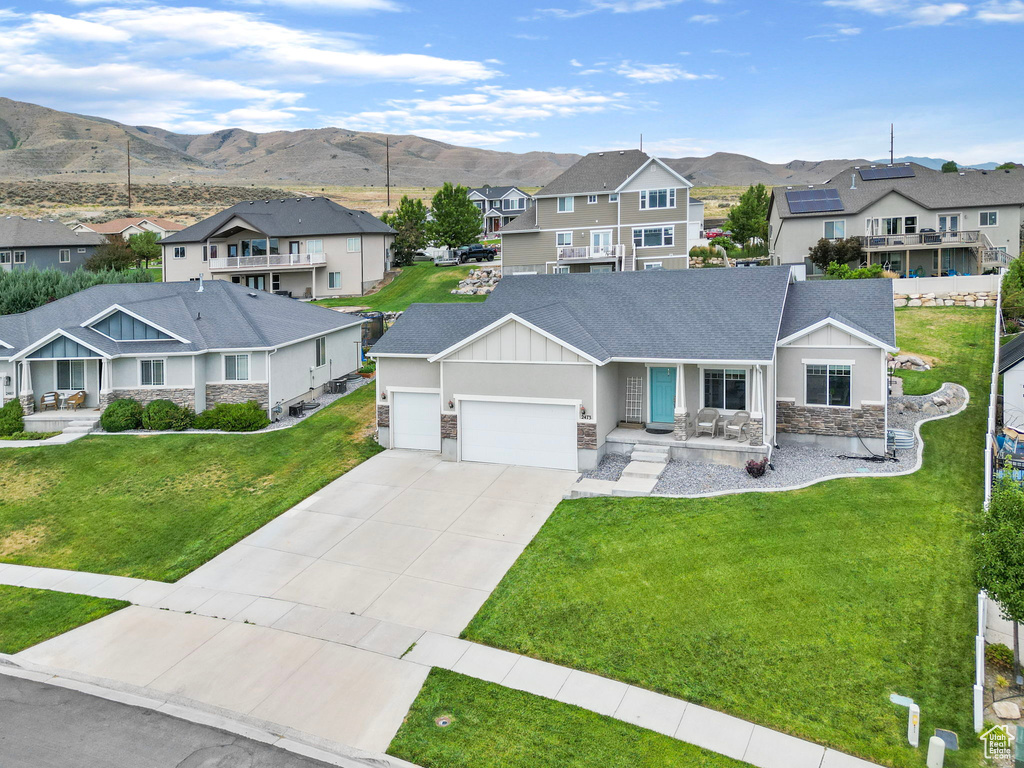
{"x":814,"y":200}
{"x":888,"y":172}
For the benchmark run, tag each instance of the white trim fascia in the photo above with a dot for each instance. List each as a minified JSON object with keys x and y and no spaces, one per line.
{"x":680,"y":361}
{"x":659,"y":258}
{"x":50,"y":337}
{"x":510,"y":399}
{"x":422,"y":390}
{"x":375,"y":355}
{"x":511,"y":316}
{"x":316,"y":335}
{"x":841,"y":326}
{"x":520,"y":362}
{"x":5,"y":345}
{"x":118,"y":308}
{"x":639,"y":170}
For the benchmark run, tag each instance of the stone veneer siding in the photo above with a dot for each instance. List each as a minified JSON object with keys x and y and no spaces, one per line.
{"x":755,"y":432}
{"x":866,"y":421}
{"x":383,"y":416}
{"x":186,"y":398}
{"x":586,"y":434}
{"x":28,"y":404}
{"x":680,"y":431}
{"x":449,"y":426}
{"x":236,"y":393}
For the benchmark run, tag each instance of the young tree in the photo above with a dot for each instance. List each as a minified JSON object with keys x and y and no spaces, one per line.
{"x":456,"y":221}
{"x":826,"y":252}
{"x":950,"y":167}
{"x":410,"y":221}
{"x":999,"y":555}
{"x":1006,"y":167}
{"x":145,"y":247}
{"x":749,"y":217}
{"x":115,"y":253}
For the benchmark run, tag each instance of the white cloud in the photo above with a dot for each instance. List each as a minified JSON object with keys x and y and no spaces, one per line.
{"x":933,"y":15}
{"x":345,"y":6}
{"x":705,"y":18}
{"x":1011,"y":11}
{"x":574,"y":63}
{"x":916,"y":14}
{"x":657,"y":73}
{"x":473,"y":138}
{"x":612,"y":6}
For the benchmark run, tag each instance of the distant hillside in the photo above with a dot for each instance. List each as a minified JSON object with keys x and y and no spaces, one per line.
{"x":936,"y":163}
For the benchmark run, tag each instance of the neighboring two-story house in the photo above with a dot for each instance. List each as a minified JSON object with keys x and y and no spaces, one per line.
{"x":611,"y":211}
{"x":913,"y":220}
{"x":499,"y":205}
{"x":44,"y":244}
{"x":305,"y":247}
{"x":128,"y":227}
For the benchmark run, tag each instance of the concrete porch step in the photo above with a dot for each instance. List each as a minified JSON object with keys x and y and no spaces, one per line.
{"x":653,"y":457}
{"x":643,"y":470}
{"x":634,"y":486}
{"x":589,"y":488}
{"x":81,"y":426}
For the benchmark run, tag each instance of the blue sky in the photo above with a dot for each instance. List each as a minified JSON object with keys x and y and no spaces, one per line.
{"x":781,"y":80}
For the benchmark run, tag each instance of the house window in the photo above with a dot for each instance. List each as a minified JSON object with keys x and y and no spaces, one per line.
{"x":70,"y":375}
{"x":275,"y":281}
{"x":204,"y":253}
{"x":910,"y":225}
{"x":81,"y":250}
{"x":5,"y":257}
{"x":19,"y":257}
{"x":563,"y":239}
{"x":65,"y":255}
{"x":179,"y":251}
{"x":591,"y":199}
{"x":334,"y":280}
{"x":893,"y":226}
{"x":652,"y":265}
{"x":151,"y":373}
{"x":314,"y":246}
{"x":989,"y":218}
{"x":565,"y":204}
{"x":521,"y":204}
{"x":835,"y":230}
{"x":213,"y":251}
{"x":600,"y":268}
{"x":653,"y":237}
{"x":560,"y":270}
{"x":613,"y":197}
{"x":657,"y":198}
{"x":236,"y":367}
{"x":321,"y":351}
{"x":725,"y":388}
{"x":353,"y":245}
{"x":828,"y":385}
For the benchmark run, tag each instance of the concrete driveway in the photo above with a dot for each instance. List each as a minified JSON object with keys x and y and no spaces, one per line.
{"x":322,"y":602}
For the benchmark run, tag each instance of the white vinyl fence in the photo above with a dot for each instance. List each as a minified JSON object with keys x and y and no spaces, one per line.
{"x":953,"y":284}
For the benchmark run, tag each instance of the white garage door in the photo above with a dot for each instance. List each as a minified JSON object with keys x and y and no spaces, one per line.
{"x":527,"y":434}
{"x":416,"y":420}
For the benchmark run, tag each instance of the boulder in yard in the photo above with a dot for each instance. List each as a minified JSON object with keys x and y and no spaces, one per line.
{"x":1006,"y":710}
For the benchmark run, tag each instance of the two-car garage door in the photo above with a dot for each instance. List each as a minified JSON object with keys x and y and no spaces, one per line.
{"x":526,"y":434}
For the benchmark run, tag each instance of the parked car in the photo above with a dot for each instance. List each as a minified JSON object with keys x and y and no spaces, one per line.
{"x":477,"y":251}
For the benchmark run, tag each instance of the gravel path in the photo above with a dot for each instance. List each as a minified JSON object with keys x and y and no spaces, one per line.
{"x":794,"y":464}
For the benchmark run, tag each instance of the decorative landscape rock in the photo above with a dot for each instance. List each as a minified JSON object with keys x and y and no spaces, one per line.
{"x":975,"y":299}
{"x":479,"y":282}
{"x":908,"y":362}
{"x":1006,"y":710}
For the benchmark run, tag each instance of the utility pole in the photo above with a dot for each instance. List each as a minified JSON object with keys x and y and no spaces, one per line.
{"x":129,"y":173}
{"x":387,"y":166}
{"x":892,"y":143}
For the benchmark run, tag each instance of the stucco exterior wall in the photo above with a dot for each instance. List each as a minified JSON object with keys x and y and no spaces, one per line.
{"x":607,"y":414}
{"x":407,"y":372}
{"x":867,"y":374}
{"x":293,"y":368}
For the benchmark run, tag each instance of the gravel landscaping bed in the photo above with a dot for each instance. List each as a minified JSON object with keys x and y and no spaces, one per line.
{"x":797,"y":464}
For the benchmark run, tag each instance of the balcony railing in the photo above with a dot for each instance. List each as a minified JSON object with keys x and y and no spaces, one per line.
{"x":921,"y":240}
{"x":581,"y":252}
{"x":268,"y":261}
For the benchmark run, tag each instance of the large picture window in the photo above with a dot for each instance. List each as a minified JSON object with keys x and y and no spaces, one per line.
{"x":725,"y":388}
{"x":151,"y":373}
{"x":236,"y":367}
{"x":653,"y":237}
{"x":70,"y":375}
{"x":828,"y":385}
{"x":657,"y":198}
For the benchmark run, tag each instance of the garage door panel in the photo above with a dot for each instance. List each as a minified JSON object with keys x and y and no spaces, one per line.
{"x":526,"y":434}
{"x":416,"y":420}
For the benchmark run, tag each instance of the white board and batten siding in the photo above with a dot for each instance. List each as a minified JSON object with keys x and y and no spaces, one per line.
{"x":515,"y":342}
{"x":829,"y":336}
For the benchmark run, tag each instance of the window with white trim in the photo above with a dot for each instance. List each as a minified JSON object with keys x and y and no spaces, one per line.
{"x":725,"y":388}
{"x":657,"y":198}
{"x":236,"y":367}
{"x":19,"y":257}
{"x":828,"y":385}
{"x":353,"y":245}
{"x":5,"y":257}
{"x":564,"y":270}
{"x":835,"y":230}
{"x":591,"y":199}
{"x":321,"y":351}
{"x":653,"y":237}
{"x":652,"y":265}
{"x":151,"y":373}
{"x":70,"y":375}
{"x":314,"y":246}
{"x":179,"y":251}
{"x":613,"y":197}
{"x":65,"y":255}
{"x":275,"y":281}
{"x":334,"y":280}
{"x":566,"y":204}
{"x":563,"y":239}
{"x":205,"y":254}
{"x":988,"y":218}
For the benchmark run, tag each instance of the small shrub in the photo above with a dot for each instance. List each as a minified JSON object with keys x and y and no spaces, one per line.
{"x":757,"y":468}
{"x":233,"y":417}
{"x":121,"y":415}
{"x":999,"y":655}
{"x":1002,"y":682}
{"x":369,"y":366}
{"x":164,"y":414}
{"x":11,"y":421}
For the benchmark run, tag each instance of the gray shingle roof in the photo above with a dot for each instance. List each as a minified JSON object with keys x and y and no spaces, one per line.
{"x":524,"y":222}
{"x":597,"y":172}
{"x":494,"y":193}
{"x":17,"y":232}
{"x":931,"y":189}
{"x":288,"y":217}
{"x":224,"y":316}
{"x":1011,"y":353}
{"x":865,"y":305}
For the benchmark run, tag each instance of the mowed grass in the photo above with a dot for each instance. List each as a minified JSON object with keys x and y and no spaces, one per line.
{"x":496,"y":727}
{"x":30,"y":616}
{"x":801,"y":611}
{"x":157,"y":507}
{"x":421,"y":283}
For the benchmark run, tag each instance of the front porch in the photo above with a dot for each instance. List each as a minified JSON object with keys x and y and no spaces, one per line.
{"x":713,"y":450}
{"x":58,"y":421}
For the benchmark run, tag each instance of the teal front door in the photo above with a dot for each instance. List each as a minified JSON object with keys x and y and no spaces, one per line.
{"x":663,"y":395}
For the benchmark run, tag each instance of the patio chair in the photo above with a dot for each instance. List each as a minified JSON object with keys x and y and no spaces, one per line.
{"x":736,"y":425}
{"x":49,"y":400}
{"x":707,"y":421}
{"x":75,"y":400}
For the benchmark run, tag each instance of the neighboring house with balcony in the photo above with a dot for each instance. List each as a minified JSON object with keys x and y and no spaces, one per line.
{"x":499,"y":205}
{"x":195,"y":344}
{"x":44,"y":244}
{"x":305,"y":247}
{"x":911,"y":219}
{"x":610,"y":212}
{"x":128,"y":227}
{"x":557,"y":371}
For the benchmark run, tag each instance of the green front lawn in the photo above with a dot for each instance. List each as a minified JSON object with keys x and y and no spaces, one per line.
{"x":156,"y":507}
{"x":495,"y":727}
{"x":422,"y":283}
{"x":802,"y":611}
{"x":29,"y":616}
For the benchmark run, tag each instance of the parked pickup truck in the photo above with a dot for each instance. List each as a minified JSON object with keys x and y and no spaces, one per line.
{"x":477,"y":251}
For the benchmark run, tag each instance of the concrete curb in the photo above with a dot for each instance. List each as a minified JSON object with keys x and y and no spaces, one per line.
{"x":182,"y":708}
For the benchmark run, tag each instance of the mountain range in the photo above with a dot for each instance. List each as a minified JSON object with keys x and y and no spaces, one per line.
{"x":37,"y":142}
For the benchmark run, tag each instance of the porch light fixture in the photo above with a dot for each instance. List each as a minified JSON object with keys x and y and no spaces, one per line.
{"x":383,"y":395}
{"x":583,"y":411}
{"x":451,"y":405}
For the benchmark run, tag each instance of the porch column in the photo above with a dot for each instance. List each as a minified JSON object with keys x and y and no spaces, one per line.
{"x":106,"y":383}
{"x":755,"y":432}
{"x":682,"y":414}
{"x":28,"y":403}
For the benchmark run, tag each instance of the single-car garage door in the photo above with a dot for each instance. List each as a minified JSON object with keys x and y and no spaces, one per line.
{"x":527,"y":434}
{"x":416,"y":420}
